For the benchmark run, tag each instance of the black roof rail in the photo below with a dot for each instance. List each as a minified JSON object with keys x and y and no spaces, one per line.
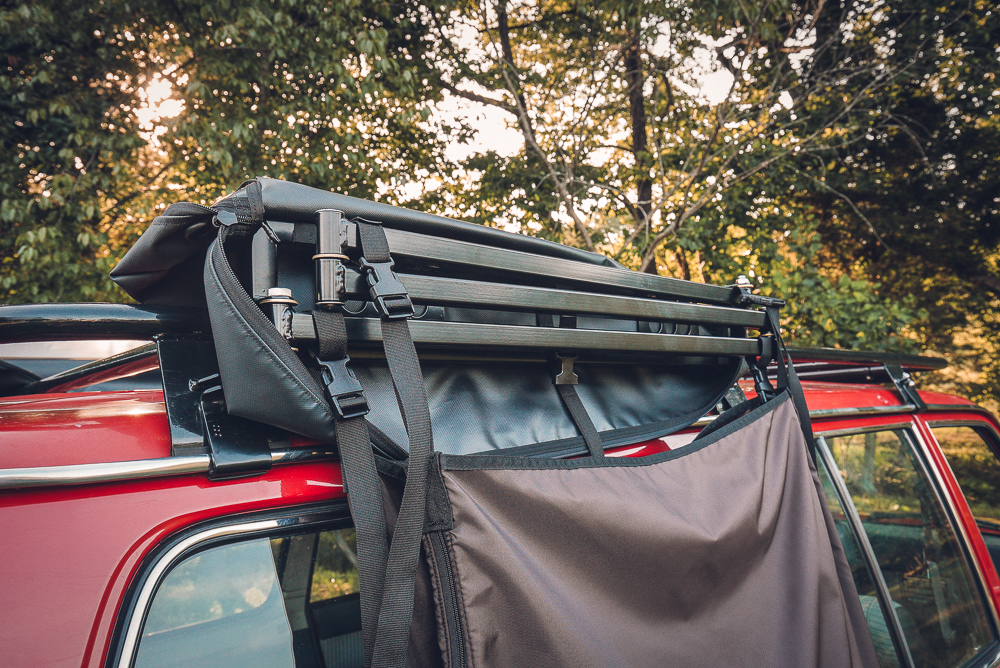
{"x":864,"y":366}
{"x":847,"y":359}
{"x":67,"y":322}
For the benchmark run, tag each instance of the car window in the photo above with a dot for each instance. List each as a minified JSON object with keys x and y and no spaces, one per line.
{"x":287,"y":601}
{"x":971,"y":453}
{"x":885,"y":649}
{"x":925,"y":570}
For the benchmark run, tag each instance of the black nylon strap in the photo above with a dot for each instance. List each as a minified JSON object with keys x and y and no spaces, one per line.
{"x":331,"y":335}
{"x":787,"y":378}
{"x":581,"y":418}
{"x":247,"y":204}
{"x":374,"y":245}
{"x":404,"y":553}
{"x":357,"y":463}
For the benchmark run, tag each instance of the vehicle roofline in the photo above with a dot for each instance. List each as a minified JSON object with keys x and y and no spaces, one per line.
{"x":85,"y":474}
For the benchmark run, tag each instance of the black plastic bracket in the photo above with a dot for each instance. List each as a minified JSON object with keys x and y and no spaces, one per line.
{"x":734,"y":397}
{"x":905,"y":385}
{"x":182,"y":360}
{"x":759,"y":367}
{"x":342,"y":388}
{"x":387,"y":291}
{"x":238,"y":447}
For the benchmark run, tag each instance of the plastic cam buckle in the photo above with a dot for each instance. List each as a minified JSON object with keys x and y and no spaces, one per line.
{"x":386,"y":290}
{"x":343,"y":391}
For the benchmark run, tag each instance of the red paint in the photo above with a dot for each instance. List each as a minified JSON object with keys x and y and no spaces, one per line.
{"x":71,"y":552}
{"x":83,"y":428}
{"x":954,"y":491}
{"x":74,"y":550}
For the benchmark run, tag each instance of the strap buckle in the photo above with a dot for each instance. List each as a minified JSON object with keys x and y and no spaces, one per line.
{"x":343,"y":391}
{"x":387,"y":292}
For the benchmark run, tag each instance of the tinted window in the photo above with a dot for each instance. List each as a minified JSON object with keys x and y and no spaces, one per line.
{"x":977,"y":470}
{"x":929,"y":580}
{"x":285,"y":601}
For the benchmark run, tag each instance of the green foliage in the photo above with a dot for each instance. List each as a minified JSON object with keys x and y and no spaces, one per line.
{"x":625,"y":154}
{"x":851,"y":166}
{"x":914,"y":206}
{"x":65,"y":149}
{"x":332,"y":95}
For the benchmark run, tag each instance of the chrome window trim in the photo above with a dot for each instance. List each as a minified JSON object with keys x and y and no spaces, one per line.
{"x":957,"y":408}
{"x":952,"y":422}
{"x":867,"y":411}
{"x":85,"y":474}
{"x":854,"y":519}
{"x":130,"y":641}
{"x":889,"y":426}
{"x":82,"y":474}
{"x":861,"y":411}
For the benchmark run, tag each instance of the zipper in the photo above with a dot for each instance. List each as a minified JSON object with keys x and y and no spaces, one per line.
{"x":452,"y":616}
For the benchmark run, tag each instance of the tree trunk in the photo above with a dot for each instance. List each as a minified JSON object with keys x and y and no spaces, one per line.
{"x":640,"y":147}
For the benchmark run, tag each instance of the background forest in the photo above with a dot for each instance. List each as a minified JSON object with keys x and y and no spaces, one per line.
{"x":843,"y":154}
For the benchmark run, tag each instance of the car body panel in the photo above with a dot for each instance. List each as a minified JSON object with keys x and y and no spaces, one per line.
{"x":74,"y":551}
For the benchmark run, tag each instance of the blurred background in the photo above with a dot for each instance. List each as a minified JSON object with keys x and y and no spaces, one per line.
{"x":841,"y":154}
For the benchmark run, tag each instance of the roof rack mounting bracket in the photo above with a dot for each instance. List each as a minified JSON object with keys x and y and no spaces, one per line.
{"x":238,"y":447}
{"x":907,"y":388}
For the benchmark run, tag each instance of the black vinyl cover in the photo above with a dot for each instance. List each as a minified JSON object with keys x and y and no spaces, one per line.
{"x":476,"y":406}
{"x":163,"y":267}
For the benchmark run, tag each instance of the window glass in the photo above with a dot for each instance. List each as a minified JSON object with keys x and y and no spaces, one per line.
{"x":336,"y":572}
{"x":285,"y":601}
{"x":929,"y":580}
{"x":977,"y":470}
{"x":882,"y":639}
{"x":211,"y":585}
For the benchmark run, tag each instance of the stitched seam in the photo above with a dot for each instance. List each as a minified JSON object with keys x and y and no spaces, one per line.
{"x":495,"y":463}
{"x":282,"y":365}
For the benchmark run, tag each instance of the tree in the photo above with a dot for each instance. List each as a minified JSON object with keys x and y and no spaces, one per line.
{"x":827,"y":169}
{"x":622,"y":146}
{"x":328,"y":94}
{"x":915,"y":206}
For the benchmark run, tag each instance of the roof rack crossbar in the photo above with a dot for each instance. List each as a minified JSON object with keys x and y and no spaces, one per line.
{"x":855,"y":358}
{"x":426,"y":248}
{"x":67,"y":322}
{"x":457,"y":292}
{"x":484,"y":336}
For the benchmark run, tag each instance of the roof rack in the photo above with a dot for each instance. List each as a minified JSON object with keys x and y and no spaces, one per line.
{"x":862,"y":366}
{"x":814,"y":361}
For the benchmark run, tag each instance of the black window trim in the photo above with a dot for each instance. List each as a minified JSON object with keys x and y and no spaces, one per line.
{"x":131,"y":617}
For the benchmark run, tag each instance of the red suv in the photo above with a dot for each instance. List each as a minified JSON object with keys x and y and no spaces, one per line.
{"x":126,"y":548}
